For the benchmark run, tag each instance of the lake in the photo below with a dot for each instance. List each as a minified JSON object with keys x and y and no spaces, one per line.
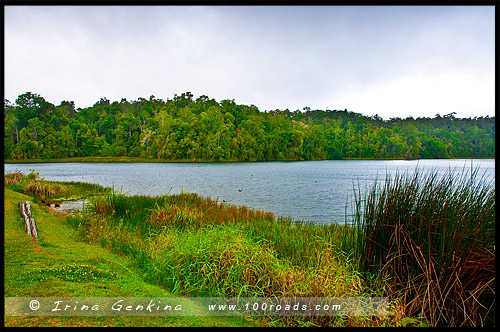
{"x":308,"y":190}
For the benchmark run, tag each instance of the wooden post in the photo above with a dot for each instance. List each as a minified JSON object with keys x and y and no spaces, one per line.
{"x":29,"y":221}
{"x":32,"y":221}
{"x":27,"y":224}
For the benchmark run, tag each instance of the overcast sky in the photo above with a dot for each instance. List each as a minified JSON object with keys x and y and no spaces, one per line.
{"x":391,"y":61}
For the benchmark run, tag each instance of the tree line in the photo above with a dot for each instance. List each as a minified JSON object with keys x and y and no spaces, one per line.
{"x":202,"y":129}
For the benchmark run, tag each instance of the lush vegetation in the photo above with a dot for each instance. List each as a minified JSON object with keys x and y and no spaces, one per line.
{"x":202,"y":129}
{"x":60,"y":264}
{"x":194,"y":246}
{"x":426,"y":242}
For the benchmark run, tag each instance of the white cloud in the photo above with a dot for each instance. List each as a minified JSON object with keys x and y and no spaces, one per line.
{"x":465,"y":93}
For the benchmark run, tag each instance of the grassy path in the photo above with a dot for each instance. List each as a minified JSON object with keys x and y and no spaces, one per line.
{"x":53,"y":268}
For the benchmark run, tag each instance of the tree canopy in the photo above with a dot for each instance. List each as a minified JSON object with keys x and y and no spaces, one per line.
{"x":184,"y":128}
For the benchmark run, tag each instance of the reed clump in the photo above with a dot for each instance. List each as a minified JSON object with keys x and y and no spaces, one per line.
{"x":11,"y":178}
{"x":44,"y":190}
{"x":174,"y":216}
{"x":433,"y":238}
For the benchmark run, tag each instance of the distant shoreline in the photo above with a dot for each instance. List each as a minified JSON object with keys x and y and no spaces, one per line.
{"x":145,"y":160}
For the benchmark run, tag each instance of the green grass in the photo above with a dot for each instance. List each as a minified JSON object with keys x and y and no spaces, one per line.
{"x":62,"y":265}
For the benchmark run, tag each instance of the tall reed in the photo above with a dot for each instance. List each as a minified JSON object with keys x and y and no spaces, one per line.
{"x":434,"y":238}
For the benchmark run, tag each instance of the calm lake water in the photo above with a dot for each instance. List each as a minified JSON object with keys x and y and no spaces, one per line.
{"x":308,"y":190}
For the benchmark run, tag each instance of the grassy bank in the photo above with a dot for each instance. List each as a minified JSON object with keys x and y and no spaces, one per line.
{"x":427,"y":243}
{"x":62,"y":265}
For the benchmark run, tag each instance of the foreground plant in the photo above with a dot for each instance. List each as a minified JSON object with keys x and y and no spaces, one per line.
{"x":433,"y":237}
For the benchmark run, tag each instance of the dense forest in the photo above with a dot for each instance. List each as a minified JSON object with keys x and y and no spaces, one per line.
{"x":202,"y":129}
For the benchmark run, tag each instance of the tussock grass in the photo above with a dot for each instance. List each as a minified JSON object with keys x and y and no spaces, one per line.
{"x":220,"y":261}
{"x":150,"y":214}
{"x":433,"y":237}
{"x":14,"y":177}
{"x":44,"y":190}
